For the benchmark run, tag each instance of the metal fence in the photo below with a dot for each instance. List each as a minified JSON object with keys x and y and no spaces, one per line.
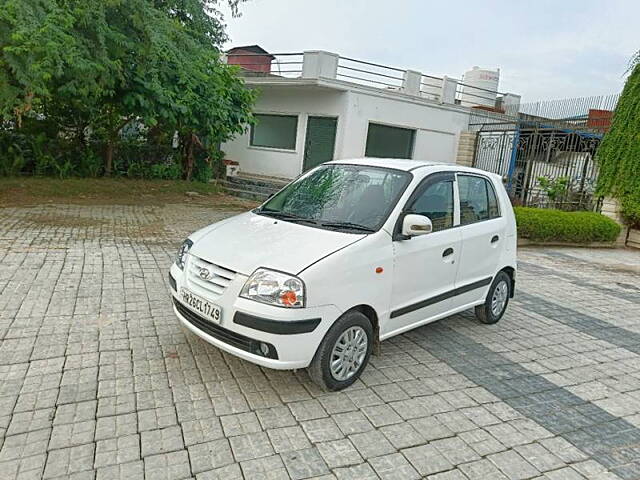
{"x":547,"y":151}
{"x":543,"y":167}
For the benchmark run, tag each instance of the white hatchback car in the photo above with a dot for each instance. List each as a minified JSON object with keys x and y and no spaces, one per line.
{"x":349,"y":254}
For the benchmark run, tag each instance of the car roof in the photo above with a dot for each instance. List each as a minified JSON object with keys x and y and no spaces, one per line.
{"x":396,"y":163}
{"x":408,"y":165}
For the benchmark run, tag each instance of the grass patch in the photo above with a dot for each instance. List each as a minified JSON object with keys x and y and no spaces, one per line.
{"x":17,"y":191}
{"x":545,"y":225}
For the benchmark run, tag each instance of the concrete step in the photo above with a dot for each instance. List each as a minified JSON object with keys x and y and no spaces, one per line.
{"x":239,"y":185}
{"x":253,"y":187}
{"x":274,"y":183}
{"x":246,"y":194}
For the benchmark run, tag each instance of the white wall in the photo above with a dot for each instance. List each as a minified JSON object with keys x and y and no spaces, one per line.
{"x":437,"y":129}
{"x":303,"y":101}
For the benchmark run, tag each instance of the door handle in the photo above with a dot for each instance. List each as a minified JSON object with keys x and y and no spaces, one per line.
{"x":495,"y":239}
{"x":447,"y":252}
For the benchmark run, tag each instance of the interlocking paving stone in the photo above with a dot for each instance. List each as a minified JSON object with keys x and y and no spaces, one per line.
{"x":250,"y":446}
{"x":99,"y":381}
{"x":288,"y":438}
{"x":122,"y":471}
{"x":372,"y":444}
{"x":210,"y":455}
{"x":167,"y":466}
{"x":304,"y":463}
{"x":265,"y":468}
{"x":394,"y":466}
{"x":115,"y":451}
{"x":357,"y":472}
{"x":339,"y":453}
{"x":553,"y":407}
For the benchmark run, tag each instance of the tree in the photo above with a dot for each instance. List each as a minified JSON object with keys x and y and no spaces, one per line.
{"x":97,"y":65}
{"x":619,"y":153}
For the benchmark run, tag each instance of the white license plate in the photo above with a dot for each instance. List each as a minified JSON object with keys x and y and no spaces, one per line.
{"x":198,"y":304}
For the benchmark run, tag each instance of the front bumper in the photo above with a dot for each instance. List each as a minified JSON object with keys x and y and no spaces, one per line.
{"x":293,"y":335}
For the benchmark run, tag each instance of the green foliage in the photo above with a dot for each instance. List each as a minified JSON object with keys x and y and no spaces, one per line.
{"x":545,"y":225}
{"x":631,"y":209}
{"x":554,"y":188}
{"x":88,"y":73}
{"x":619,"y":153}
{"x":203,"y":170}
{"x":165,"y":171}
{"x":90,"y":164}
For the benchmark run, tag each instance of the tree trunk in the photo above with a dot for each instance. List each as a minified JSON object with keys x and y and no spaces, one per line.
{"x":189,"y":159}
{"x":108,"y":159}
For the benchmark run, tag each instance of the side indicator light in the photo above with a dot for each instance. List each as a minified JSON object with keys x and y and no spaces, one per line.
{"x":379,"y":270}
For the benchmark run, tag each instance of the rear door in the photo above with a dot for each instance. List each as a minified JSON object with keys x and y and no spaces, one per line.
{"x":425,"y":266}
{"x":483,"y":229}
{"x":320,"y":141}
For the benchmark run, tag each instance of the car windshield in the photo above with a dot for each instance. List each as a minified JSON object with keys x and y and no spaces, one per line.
{"x":355,"y":198}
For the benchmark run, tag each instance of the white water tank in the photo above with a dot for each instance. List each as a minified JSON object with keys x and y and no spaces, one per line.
{"x":480,"y":87}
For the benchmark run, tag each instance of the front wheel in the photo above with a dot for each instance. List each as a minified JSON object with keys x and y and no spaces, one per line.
{"x":497,"y":300}
{"x":343,"y":353}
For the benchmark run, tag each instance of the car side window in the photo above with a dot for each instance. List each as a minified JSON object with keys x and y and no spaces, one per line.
{"x":478,"y":200}
{"x":436,"y":202}
{"x":494,"y":209}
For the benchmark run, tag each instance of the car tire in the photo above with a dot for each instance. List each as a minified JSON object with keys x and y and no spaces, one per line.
{"x":348,"y":331}
{"x":492,"y":310}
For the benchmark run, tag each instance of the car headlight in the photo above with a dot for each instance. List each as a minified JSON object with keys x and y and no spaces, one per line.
{"x":181,"y":257}
{"x":274,"y":288}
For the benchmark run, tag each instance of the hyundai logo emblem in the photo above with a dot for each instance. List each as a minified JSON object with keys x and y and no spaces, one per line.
{"x":204,"y":273}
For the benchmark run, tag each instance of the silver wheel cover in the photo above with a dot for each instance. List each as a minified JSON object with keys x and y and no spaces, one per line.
{"x":499,"y":298}
{"x":348,"y":353}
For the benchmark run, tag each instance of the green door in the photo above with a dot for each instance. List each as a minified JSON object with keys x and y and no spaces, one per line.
{"x":320,"y":142}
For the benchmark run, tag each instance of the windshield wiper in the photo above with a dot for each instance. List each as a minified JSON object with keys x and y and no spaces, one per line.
{"x":290,"y":217}
{"x":348,"y":225}
{"x":276,"y":213}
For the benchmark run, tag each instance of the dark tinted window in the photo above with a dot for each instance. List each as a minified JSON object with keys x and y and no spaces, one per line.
{"x":274,"y":131}
{"x":384,"y":141}
{"x":494,"y":209}
{"x":436,"y":202}
{"x":478,"y":200}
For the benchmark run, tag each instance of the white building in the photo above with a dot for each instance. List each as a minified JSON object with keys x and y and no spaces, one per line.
{"x":318,"y":106}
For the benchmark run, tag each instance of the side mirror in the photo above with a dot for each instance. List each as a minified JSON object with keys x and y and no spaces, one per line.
{"x":414,"y":225}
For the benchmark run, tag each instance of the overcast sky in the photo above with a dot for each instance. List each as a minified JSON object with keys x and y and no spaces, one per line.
{"x":544,"y":49}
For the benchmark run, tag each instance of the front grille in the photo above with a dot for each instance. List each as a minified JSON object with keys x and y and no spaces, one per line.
{"x":227,"y":336}
{"x":217,"y":282}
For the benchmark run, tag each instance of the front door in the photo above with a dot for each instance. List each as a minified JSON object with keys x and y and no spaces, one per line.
{"x":425,"y":266}
{"x":320,"y":141}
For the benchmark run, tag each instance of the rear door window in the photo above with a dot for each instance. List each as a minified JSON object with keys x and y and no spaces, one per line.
{"x":478,"y":201}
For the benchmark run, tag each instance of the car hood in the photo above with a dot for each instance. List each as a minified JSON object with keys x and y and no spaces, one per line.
{"x":249,"y":241}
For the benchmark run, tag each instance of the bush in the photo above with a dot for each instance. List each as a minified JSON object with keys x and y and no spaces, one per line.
{"x":631,"y":209}
{"x":545,"y":225}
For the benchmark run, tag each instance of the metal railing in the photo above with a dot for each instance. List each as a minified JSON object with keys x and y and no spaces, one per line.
{"x":431,"y":87}
{"x":288,"y":65}
{"x":471,"y":95}
{"x":370,"y":74}
{"x":361,"y":72}
{"x":589,"y":114}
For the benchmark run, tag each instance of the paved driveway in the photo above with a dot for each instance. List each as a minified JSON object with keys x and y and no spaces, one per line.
{"x":98,"y":380}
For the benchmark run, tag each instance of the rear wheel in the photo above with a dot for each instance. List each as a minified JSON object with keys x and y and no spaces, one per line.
{"x":497,"y":300}
{"x":343,"y":353}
